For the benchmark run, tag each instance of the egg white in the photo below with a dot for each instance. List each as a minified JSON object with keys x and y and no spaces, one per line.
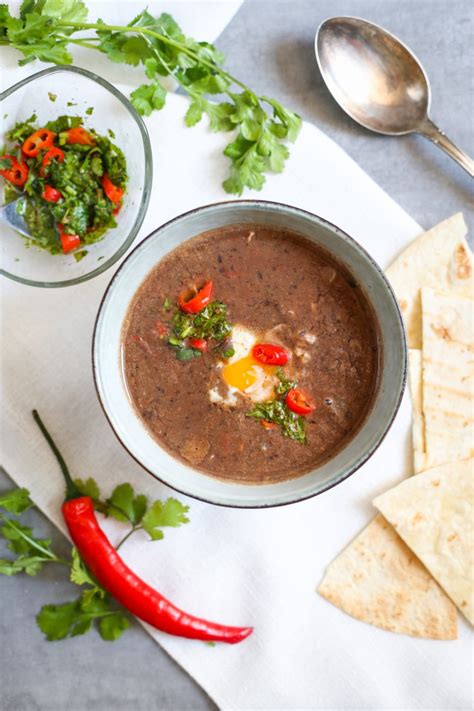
{"x":243,"y":340}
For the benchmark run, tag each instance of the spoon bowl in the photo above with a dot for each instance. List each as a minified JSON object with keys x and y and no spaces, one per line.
{"x":378,"y":81}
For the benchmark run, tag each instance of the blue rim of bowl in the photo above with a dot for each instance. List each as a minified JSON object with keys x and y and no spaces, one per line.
{"x":146,"y":188}
{"x":404,"y":370}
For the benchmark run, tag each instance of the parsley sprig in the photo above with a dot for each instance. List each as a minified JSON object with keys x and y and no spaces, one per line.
{"x":93,"y":607}
{"x":45,"y":29}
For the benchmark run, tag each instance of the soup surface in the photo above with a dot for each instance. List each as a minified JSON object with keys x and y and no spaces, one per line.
{"x":209,"y":401}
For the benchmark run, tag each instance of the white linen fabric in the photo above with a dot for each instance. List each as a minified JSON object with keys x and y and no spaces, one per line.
{"x":258,"y":567}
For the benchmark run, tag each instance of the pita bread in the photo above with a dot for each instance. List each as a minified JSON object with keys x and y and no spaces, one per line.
{"x":448,"y":378}
{"x":440,"y":259}
{"x":378,"y":580}
{"x":415,"y":371}
{"x":434,"y":514}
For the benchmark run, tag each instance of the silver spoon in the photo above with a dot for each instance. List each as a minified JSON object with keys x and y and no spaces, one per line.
{"x":10,"y":214}
{"x":379,"y":82}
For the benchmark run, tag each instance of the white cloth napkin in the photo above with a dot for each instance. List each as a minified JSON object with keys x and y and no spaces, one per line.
{"x":240,"y":567}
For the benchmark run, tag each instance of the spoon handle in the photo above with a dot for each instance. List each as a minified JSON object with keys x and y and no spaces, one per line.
{"x":431,"y":131}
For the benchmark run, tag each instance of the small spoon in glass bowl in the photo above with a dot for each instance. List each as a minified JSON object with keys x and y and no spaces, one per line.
{"x":379,"y":82}
{"x":11,"y":215}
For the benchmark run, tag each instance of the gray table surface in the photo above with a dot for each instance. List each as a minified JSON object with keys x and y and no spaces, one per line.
{"x":270,"y":46}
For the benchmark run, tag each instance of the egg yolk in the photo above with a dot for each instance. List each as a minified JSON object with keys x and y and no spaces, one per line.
{"x":241,"y":374}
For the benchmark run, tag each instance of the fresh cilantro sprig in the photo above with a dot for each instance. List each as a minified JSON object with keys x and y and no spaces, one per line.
{"x":277,"y":412}
{"x":45,"y":29}
{"x":30,"y":553}
{"x":93,"y":608}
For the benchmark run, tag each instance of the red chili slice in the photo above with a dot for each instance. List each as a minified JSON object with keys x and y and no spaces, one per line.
{"x":113,"y":192}
{"x":192,"y":301}
{"x":300,"y":401}
{"x":38,"y":141}
{"x":160,"y":329}
{"x":79,"y":135}
{"x":68,"y":242}
{"x":117,"y":209}
{"x":268,"y":425}
{"x":200,"y":344}
{"x":50,"y":194}
{"x":53,"y":154}
{"x":17,"y":174}
{"x":270,"y":354}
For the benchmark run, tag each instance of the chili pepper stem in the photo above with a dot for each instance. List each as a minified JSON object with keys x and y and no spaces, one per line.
{"x":72,"y":491}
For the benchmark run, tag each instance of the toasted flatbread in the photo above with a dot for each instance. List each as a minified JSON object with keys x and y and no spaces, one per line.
{"x":440,"y":259}
{"x":448,"y":378}
{"x":378,"y":580}
{"x":415,"y":373}
{"x":434,"y":514}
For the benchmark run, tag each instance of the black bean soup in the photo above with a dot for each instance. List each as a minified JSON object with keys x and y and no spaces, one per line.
{"x":202,"y":388}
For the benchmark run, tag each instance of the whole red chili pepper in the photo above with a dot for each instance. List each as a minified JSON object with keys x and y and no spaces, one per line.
{"x":111,"y":572}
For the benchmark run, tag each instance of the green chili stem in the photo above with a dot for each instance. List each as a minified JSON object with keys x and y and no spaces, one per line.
{"x":72,"y":491}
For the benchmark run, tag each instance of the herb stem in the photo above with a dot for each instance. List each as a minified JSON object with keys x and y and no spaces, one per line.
{"x":166,"y":40}
{"x":82,"y":42}
{"x":53,"y":558}
{"x":132,"y":530}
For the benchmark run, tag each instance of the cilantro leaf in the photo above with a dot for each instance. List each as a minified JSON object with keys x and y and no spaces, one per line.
{"x":16,"y":501}
{"x":88,"y":487}
{"x":169,"y":513}
{"x":31,"y":565}
{"x":66,"y":10}
{"x":148,"y":97}
{"x":124,"y":505}
{"x":21,"y":539}
{"x":59,"y":621}
{"x":77,"y":617}
{"x":79,"y":573}
{"x":112,"y":627}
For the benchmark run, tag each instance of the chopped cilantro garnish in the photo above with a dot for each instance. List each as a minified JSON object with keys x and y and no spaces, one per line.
{"x":83,"y":208}
{"x":228,"y":353}
{"x":52,"y":97}
{"x":210,"y":323}
{"x":90,"y":111}
{"x":284,"y":385}
{"x":80,"y":255}
{"x":167,"y":303}
{"x":275,"y":411}
{"x":187,"y":354}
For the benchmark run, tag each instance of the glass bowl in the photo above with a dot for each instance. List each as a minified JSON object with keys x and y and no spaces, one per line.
{"x":77,"y":90}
